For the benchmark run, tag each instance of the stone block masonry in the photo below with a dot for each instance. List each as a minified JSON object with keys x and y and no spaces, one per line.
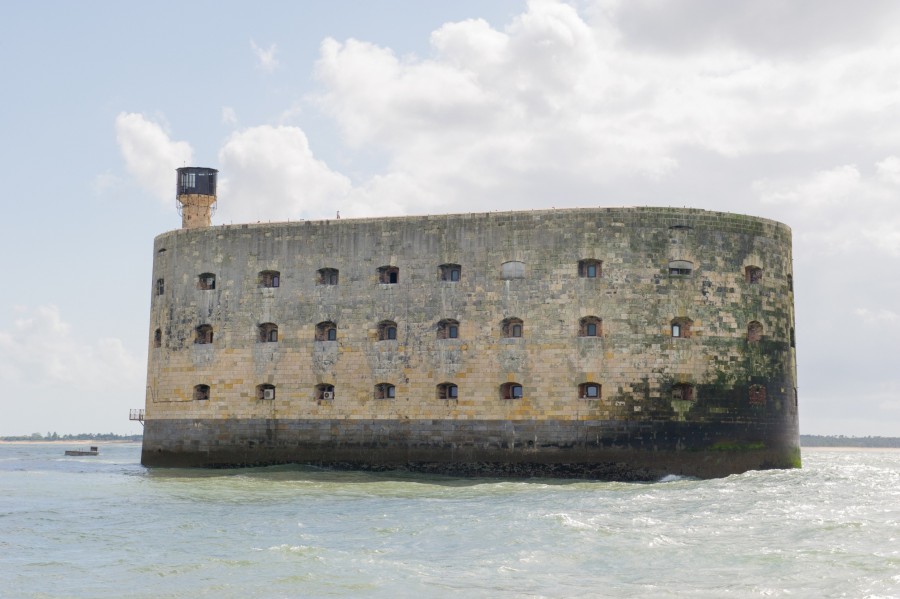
{"x":622,"y":343}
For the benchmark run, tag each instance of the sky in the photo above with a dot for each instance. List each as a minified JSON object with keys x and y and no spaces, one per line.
{"x":784,"y":110}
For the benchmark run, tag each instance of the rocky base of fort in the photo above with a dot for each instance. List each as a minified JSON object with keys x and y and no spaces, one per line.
{"x":598,"y":450}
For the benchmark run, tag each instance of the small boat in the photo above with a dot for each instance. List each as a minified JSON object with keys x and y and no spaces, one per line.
{"x":92,"y":451}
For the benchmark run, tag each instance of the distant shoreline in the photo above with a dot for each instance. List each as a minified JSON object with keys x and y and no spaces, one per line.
{"x":69,"y":442}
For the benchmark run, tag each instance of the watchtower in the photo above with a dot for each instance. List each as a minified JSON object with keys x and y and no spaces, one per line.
{"x":196,"y":195}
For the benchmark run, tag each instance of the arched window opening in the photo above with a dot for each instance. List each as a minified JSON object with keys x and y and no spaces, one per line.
{"x":324,"y":392}
{"x":204,"y":335}
{"x":326,"y":331}
{"x":447,"y":391}
{"x":327,"y":276}
{"x":790,"y":282}
{"x":757,"y":395}
{"x":268,"y":332}
{"x":265,"y":392}
{"x":201,"y":392}
{"x":512,"y":327}
{"x":511,"y":391}
{"x":681,"y":327}
{"x":590,"y":326}
{"x":680,"y":268}
{"x":448,"y":329}
{"x":157,"y":338}
{"x":589,"y":391}
{"x":389,"y":275}
{"x":590,"y":269}
{"x":512,"y":270}
{"x":683,"y":392}
{"x":450,"y":272}
{"x":387,"y":330}
{"x":160,"y":286}
{"x":269,"y":278}
{"x":754,"y":331}
{"x":385,"y":391}
{"x":753,"y":275}
{"x":206,"y":281}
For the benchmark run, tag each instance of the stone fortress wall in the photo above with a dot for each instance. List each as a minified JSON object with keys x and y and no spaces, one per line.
{"x":649,"y":341}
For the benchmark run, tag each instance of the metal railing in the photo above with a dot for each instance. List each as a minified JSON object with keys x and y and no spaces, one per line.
{"x":137,"y":414}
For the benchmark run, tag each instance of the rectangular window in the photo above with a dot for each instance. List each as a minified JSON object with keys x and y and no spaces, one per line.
{"x":676,"y":330}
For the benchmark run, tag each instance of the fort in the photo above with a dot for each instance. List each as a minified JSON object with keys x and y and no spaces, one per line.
{"x":604,"y":343}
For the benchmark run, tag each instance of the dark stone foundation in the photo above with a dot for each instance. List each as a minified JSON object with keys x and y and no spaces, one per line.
{"x":596,"y":449}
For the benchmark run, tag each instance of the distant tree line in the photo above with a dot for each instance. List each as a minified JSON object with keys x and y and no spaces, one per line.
{"x":842,"y":441}
{"x":78,"y":437}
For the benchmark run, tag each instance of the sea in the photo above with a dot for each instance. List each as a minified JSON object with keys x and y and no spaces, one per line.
{"x":104,"y":526}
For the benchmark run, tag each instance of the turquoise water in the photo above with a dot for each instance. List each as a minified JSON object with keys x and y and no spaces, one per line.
{"x":106,"y":527}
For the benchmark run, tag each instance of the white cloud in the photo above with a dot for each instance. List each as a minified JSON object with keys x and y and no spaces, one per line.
{"x":150,"y":156}
{"x":841,"y":208}
{"x":265,"y":57}
{"x":889,"y":170}
{"x":104,"y":182}
{"x":271,"y":173}
{"x":881,"y":317}
{"x":229,"y":116}
{"x":40,"y":350}
{"x":557,"y":101}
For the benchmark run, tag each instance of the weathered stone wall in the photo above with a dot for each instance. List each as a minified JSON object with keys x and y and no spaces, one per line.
{"x":743,"y":389}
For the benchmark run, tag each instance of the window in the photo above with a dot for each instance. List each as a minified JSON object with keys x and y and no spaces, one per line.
{"x":160,"y":286}
{"x":683,"y":392}
{"x":204,"y":335}
{"x":324,"y":392}
{"x":389,"y":275}
{"x":268,"y":333}
{"x":590,"y":326}
{"x":327,"y":276}
{"x":206,"y":281}
{"x":511,"y":391}
{"x":385,"y":391}
{"x":512,"y":327}
{"x":447,"y":391}
{"x":753,"y":275}
{"x":201,"y":392}
{"x":790,"y":282}
{"x":387,"y":330}
{"x":754,"y":331}
{"x":793,"y":343}
{"x":681,"y":327}
{"x":265,"y":392}
{"x":448,"y":329}
{"x":326,"y":331}
{"x":269,"y":278}
{"x":589,"y":391}
{"x":590,"y":269}
{"x":512,"y":270}
{"x":450,"y":272}
{"x":157,"y":338}
{"x":757,"y":395}
{"x":680,"y":268}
